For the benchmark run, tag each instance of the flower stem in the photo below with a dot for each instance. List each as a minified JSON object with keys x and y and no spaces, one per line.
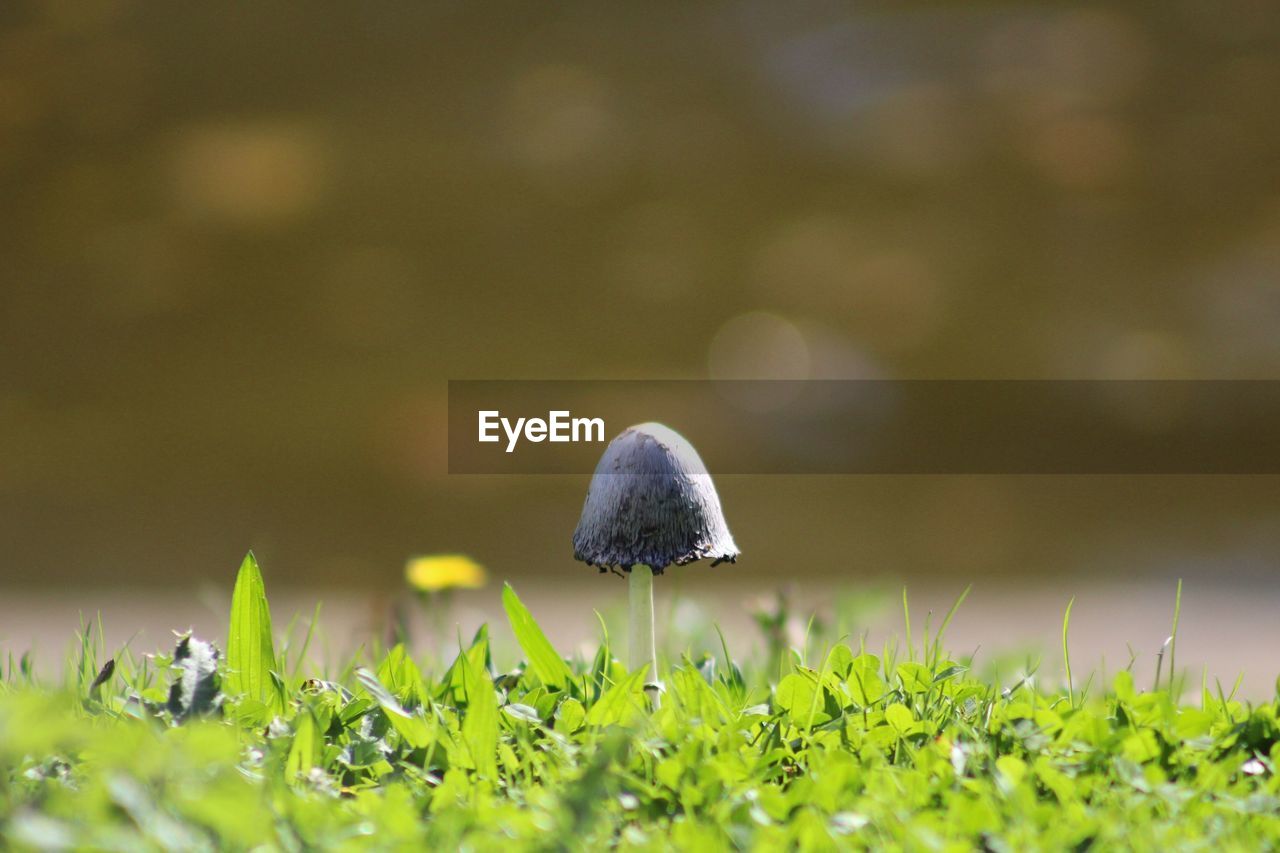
{"x":643,"y":648}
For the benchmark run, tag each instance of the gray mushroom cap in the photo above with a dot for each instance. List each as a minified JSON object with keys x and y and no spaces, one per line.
{"x":651,"y":501}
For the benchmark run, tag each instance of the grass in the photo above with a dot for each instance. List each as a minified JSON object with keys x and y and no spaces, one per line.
{"x":910,"y":750}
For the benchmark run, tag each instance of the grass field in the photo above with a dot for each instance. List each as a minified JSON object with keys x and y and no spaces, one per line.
{"x":834,"y":746}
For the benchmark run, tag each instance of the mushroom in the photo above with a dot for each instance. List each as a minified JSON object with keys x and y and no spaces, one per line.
{"x":651,"y":504}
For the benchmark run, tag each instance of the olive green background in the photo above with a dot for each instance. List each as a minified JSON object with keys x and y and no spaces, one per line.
{"x":244,"y":247}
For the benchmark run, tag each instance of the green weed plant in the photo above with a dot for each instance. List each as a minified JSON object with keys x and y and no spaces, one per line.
{"x":908,"y":749}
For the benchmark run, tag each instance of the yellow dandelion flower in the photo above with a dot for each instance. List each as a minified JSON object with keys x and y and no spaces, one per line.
{"x":444,"y":571}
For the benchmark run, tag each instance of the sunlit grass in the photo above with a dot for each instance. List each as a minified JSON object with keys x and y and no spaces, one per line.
{"x":817,"y":745}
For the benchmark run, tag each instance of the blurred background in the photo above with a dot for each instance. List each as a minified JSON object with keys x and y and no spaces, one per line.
{"x":243,"y":249}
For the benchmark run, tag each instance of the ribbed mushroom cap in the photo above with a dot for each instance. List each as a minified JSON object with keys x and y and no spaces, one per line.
{"x":651,"y":501}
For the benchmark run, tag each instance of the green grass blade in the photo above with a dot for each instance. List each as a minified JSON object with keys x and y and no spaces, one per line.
{"x":480,"y":725}
{"x":546,"y":662}
{"x":307,"y":748}
{"x":906,"y":621}
{"x":250,"y":653}
{"x":1066,"y":653}
{"x":942,"y":629}
{"x":1173,"y":641}
{"x":306,"y":643}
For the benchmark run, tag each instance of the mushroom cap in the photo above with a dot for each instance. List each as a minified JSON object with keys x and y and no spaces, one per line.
{"x":652,"y":502}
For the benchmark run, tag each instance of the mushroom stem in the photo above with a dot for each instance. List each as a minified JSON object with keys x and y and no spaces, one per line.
{"x":643,"y":648}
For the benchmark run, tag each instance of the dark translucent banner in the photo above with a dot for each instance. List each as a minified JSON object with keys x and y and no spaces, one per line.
{"x":876,"y":426}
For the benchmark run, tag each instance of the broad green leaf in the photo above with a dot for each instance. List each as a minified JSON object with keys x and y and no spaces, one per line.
{"x":617,"y":703}
{"x":1141,"y":746}
{"x":542,"y":702}
{"x":480,"y":721}
{"x":694,"y":695}
{"x":669,"y":772}
{"x":1012,"y":768}
{"x":1062,"y":785}
{"x":401,"y":676}
{"x":915,"y":678}
{"x":1193,"y":723}
{"x":839,"y":661}
{"x":524,"y":713}
{"x":250,"y":653}
{"x":799,"y":695}
{"x":412,"y":727}
{"x":547,"y":664}
{"x":884,"y":736}
{"x":570,"y":716}
{"x":1123,"y":686}
{"x":306,"y":749}
{"x":865,"y":685}
{"x":1018,"y":711}
{"x":899,"y":716}
{"x":455,"y":678}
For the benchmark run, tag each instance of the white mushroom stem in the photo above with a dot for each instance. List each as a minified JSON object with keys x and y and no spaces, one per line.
{"x":643,"y":648}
